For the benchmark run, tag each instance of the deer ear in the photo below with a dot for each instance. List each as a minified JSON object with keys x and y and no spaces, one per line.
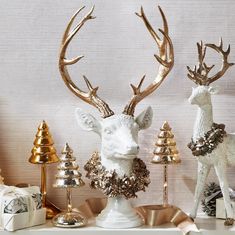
{"x":213,"y":90}
{"x":144,"y":119}
{"x":87,"y":122}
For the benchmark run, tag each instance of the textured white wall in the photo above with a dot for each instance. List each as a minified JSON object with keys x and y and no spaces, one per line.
{"x":118,"y":50}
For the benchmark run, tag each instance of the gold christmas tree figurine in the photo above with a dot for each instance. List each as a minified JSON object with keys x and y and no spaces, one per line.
{"x":68,"y":177}
{"x":44,"y":153}
{"x":165,"y":153}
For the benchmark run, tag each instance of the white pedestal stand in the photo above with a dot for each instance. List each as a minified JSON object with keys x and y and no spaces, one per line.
{"x":118,"y":214}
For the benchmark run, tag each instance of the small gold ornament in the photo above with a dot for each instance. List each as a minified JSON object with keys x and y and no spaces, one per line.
{"x":165,"y":153}
{"x":44,"y":153}
{"x":68,"y":177}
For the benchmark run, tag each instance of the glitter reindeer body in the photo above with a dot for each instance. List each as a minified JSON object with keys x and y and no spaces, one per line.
{"x":223,"y":154}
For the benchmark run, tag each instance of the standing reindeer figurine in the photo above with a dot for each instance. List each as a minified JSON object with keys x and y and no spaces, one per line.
{"x":117,"y":171}
{"x":210,"y":143}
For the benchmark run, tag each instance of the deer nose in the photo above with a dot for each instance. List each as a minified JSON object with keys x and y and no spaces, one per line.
{"x":133,"y":148}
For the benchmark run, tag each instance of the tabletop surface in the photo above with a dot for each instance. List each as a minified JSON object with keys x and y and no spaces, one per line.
{"x":206,"y":225}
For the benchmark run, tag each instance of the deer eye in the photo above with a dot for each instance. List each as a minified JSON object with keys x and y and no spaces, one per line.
{"x":108,"y":131}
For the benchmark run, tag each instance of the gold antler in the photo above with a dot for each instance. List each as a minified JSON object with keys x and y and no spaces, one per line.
{"x":166,"y":50}
{"x":200,"y":73}
{"x":91,"y":96}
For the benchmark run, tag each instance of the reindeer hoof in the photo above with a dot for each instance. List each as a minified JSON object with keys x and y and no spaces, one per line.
{"x":228,"y":222}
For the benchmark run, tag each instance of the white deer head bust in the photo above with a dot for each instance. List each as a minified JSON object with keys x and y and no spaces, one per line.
{"x":119,"y":137}
{"x":118,"y":132}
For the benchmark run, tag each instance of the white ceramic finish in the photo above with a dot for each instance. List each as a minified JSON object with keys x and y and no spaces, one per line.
{"x":119,"y":146}
{"x":119,"y":137}
{"x":220,"y":158}
{"x":118,"y":214}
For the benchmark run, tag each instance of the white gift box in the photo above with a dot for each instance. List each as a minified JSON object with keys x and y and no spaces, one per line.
{"x":20,"y":207}
{"x":220,"y":208}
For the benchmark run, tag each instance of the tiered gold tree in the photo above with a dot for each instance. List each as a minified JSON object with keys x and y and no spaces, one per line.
{"x":165,"y":153}
{"x":1,"y":178}
{"x":68,"y":177}
{"x":44,"y":153}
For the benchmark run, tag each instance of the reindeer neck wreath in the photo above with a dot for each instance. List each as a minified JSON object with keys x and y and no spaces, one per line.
{"x":111,"y":184}
{"x":209,"y":142}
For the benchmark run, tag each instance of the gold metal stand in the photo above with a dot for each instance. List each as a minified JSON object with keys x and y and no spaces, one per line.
{"x":69,"y":219}
{"x":69,"y":200}
{"x":51,"y":209}
{"x":165,"y":186}
{"x":43,"y":184}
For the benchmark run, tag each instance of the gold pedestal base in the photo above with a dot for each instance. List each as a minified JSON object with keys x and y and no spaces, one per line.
{"x":69,"y":220}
